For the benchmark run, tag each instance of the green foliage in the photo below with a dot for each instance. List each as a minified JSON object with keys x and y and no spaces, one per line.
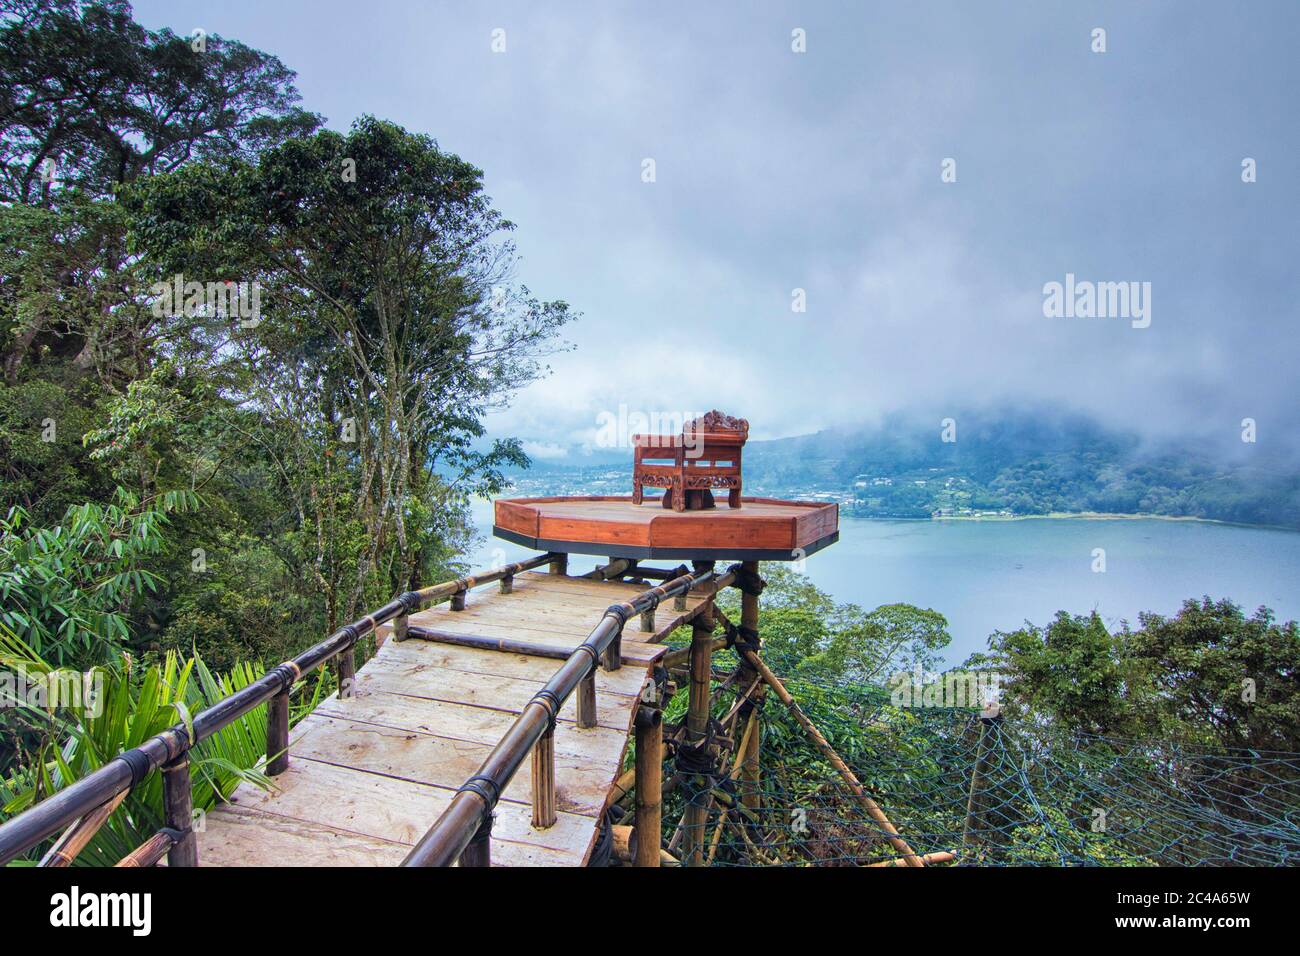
{"x":128,"y":708}
{"x":67,"y":590}
{"x":1217,"y":676}
{"x":1208,"y":675}
{"x":804,"y":625}
{"x":1068,"y":670}
{"x":1053,"y":789}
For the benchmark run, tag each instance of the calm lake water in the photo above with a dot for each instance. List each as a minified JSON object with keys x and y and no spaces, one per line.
{"x":993,"y":575}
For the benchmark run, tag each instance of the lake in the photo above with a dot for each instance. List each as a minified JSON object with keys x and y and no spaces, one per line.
{"x":993,"y":575}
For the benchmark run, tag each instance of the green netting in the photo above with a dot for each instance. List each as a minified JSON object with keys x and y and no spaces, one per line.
{"x":1040,"y":797}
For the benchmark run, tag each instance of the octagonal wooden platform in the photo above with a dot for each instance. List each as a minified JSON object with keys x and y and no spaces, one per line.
{"x":762,"y":529}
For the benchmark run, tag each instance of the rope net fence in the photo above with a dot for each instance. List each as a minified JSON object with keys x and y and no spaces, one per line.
{"x":988,"y":792}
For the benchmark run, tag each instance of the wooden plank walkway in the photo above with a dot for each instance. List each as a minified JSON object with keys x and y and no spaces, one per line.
{"x":368,"y":775}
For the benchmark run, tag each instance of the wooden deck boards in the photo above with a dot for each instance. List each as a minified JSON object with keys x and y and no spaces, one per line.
{"x":368,"y":775}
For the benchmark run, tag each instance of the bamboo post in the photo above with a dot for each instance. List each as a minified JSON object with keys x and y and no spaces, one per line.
{"x":559,"y":564}
{"x":178,"y":811}
{"x":989,"y":720}
{"x":544,"y":781}
{"x":479,"y":851}
{"x":346,"y":669}
{"x":613,"y":658}
{"x":697,"y":727}
{"x":400,"y":625}
{"x":649,"y":784}
{"x":750,"y":767}
{"x":847,"y":775}
{"x":648,"y":620}
{"x":277,"y":734}
{"x":508,"y":584}
{"x":586,"y":701}
{"x":458,"y":600}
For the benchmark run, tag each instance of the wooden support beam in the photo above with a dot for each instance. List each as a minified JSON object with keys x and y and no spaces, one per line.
{"x":847,"y":775}
{"x":616,"y":568}
{"x":77,"y":836}
{"x":559,"y":564}
{"x":989,"y":730}
{"x":751,"y":727}
{"x":750,"y":783}
{"x":457,"y":602}
{"x":623,"y":786}
{"x":944,"y":857}
{"x":697,"y":726}
{"x":679,"y":656}
{"x":649,"y":771}
{"x":148,"y":853}
{"x":508,"y":584}
{"x":178,"y":811}
{"x":544,"y":814}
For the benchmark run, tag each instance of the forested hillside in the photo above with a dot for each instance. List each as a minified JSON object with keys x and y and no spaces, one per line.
{"x":1028,"y":462}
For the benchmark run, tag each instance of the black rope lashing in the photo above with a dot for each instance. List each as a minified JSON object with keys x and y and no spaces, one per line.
{"x":488,"y":791}
{"x":603,"y":852}
{"x":660,"y":677}
{"x":697,"y":769}
{"x":746,"y":580}
{"x":139,"y":764}
{"x":551,"y":701}
{"x":742,"y":638}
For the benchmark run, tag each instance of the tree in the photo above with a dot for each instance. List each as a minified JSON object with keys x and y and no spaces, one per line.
{"x":390,"y":324}
{"x":1221,"y":677}
{"x":90,"y":100}
{"x":1068,"y":672}
{"x":806,"y":629}
{"x":67,"y":591}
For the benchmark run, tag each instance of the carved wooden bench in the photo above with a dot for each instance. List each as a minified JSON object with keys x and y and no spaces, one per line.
{"x":706,"y":455}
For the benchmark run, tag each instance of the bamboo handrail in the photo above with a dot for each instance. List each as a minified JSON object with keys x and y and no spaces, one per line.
{"x":872,"y":808}
{"x":473,"y":803}
{"x":129,"y":768}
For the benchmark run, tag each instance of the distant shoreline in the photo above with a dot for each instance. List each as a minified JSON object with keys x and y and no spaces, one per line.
{"x":1084,"y":515}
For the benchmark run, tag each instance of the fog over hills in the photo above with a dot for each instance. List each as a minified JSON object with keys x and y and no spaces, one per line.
{"x":1012,"y":462}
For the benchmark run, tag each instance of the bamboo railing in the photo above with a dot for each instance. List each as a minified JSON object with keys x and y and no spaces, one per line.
{"x":82,"y":807}
{"x":463,"y":832}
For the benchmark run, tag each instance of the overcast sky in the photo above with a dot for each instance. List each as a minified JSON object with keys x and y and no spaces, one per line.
{"x":821,"y":171}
